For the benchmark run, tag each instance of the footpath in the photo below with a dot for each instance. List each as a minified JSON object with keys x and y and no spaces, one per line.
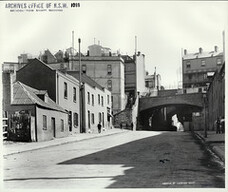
{"x":215,"y":142}
{"x":10,"y":147}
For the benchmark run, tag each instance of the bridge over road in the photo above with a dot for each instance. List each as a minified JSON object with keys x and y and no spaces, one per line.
{"x":189,"y":99}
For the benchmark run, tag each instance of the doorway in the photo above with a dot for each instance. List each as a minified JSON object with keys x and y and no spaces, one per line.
{"x":53,"y":126}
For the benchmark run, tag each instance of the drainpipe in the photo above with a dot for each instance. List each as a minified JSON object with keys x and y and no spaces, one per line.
{"x":36,"y":138}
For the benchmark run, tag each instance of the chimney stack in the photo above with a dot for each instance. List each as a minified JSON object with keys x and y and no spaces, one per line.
{"x":185,"y":52}
{"x":216,"y":48}
{"x":200,"y":50}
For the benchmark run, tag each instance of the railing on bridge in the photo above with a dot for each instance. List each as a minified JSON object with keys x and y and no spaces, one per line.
{"x":172,"y":92}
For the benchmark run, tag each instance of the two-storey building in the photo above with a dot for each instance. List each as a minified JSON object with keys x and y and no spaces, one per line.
{"x":62,"y":88}
{"x":96,"y":104}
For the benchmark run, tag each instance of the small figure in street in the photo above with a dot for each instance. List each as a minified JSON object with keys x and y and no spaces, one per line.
{"x":132,"y":126}
{"x":222,"y":125}
{"x":99,"y":127}
{"x":218,"y":126}
{"x":121,"y":126}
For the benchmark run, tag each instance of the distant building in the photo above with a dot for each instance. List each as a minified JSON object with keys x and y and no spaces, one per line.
{"x":96,"y":102}
{"x":153,"y":83}
{"x":48,"y":57}
{"x":59,"y":56}
{"x":61,"y":88}
{"x":98,"y":50}
{"x":199,"y":68}
{"x":134,"y":74}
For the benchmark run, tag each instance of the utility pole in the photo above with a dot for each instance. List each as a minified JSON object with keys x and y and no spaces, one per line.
{"x":72,"y":51}
{"x":80,"y":86}
{"x":223,"y":39}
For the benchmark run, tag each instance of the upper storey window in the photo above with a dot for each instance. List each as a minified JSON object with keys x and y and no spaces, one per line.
{"x":188,"y":64}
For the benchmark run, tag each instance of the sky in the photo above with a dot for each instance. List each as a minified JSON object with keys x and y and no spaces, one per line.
{"x":163,"y":30}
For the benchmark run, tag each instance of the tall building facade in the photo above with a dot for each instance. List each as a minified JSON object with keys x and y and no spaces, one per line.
{"x":199,"y":68}
{"x":104,"y":69}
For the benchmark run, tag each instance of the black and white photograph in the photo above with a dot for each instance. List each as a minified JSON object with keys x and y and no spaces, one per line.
{"x":113,"y":95}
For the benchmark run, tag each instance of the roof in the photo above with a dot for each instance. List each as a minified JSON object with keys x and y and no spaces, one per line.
{"x":85,"y":79}
{"x":25,"y":95}
{"x":202,"y":55}
{"x":49,"y":67}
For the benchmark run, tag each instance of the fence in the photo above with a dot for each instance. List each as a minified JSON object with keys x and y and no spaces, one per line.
{"x":5,"y":128}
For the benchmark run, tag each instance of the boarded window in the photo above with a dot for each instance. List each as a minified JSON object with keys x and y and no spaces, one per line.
{"x":62,"y":125}
{"x":44,"y":122}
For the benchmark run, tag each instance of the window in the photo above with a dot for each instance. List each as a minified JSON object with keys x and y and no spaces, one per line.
{"x":108,"y":99}
{"x":70,"y":120}
{"x":65,"y":90}
{"x":102,"y":101}
{"x":190,"y":76}
{"x":83,"y":68}
{"x":62,"y":125}
{"x":44,"y":122}
{"x":74,"y":94}
{"x":103,"y":119}
{"x":75,"y":119}
{"x":188,"y":64}
{"x":110,"y":85}
{"x":92,"y":118}
{"x":99,"y":117}
{"x":205,"y":76}
{"x":99,"y":99}
{"x":88,"y":119}
{"x":203,"y":63}
{"x":92,"y":99}
{"x":219,"y":61}
{"x":88,"y":101}
{"x":109,"y":69}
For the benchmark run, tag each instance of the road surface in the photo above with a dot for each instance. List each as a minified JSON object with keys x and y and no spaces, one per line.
{"x":142,"y":159}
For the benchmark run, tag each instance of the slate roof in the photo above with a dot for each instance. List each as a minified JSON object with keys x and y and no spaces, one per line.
{"x":202,"y":55}
{"x":85,"y":79}
{"x":25,"y":95}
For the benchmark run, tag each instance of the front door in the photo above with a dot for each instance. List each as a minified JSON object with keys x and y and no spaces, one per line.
{"x":53,"y":126}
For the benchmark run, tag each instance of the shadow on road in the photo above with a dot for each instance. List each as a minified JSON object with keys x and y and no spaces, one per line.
{"x":169,"y":160}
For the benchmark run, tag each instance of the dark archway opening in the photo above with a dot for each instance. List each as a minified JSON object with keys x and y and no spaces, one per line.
{"x":160,"y":118}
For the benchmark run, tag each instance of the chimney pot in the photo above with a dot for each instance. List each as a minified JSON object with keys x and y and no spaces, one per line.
{"x":216,"y":48}
{"x":185,"y":52}
{"x":200,"y":50}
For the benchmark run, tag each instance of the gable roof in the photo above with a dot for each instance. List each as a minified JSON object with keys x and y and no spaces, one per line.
{"x":25,"y":95}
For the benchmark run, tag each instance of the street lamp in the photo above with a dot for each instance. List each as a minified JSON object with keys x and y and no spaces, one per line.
{"x":204,"y":104}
